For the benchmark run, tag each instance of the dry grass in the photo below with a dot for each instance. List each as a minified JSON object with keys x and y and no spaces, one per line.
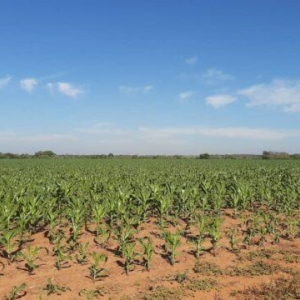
{"x":282,"y":288}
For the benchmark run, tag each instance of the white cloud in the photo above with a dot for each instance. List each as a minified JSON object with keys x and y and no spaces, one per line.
{"x":28,"y":84}
{"x":125,"y":89}
{"x":279,"y":93}
{"x":191,"y":60}
{"x":186,"y":95}
{"x":215,"y":76}
{"x":218,"y":101}
{"x":4,"y":81}
{"x":235,"y":132}
{"x":68,"y":89}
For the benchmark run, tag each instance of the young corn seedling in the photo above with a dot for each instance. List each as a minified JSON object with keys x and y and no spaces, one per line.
{"x":198,"y":244}
{"x":172,"y":243}
{"x":293,"y":228}
{"x":52,"y":216}
{"x":147,"y":246}
{"x":124,"y":236}
{"x":232,"y":234}
{"x":215,"y":233}
{"x":163,"y":205}
{"x":17,"y":292}
{"x":97,"y":271}
{"x":74,"y":234}
{"x":202,"y":222}
{"x":10,"y":245}
{"x":53,"y":288}
{"x":81,"y":257}
{"x":30,"y":256}
{"x":129,"y":255}
{"x":102,"y":238}
{"x":98,"y":214}
{"x":62,"y":259}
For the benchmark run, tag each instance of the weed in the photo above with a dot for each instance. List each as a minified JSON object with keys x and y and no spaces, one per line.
{"x":53,"y":288}
{"x":91,"y":294}
{"x":16,"y":292}
{"x":281,"y":288}
{"x":207,"y":268}
{"x":202,"y":285}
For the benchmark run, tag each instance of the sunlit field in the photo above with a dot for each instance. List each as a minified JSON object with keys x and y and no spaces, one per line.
{"x":149,"y":229}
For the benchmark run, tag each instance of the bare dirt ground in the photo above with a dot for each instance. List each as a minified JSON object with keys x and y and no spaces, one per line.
{"x":226,"y":275}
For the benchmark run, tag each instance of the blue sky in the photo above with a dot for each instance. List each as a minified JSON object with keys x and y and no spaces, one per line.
{"x":150,"y":77}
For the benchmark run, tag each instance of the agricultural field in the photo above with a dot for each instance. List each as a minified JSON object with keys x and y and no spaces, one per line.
{"x":149,"y":229}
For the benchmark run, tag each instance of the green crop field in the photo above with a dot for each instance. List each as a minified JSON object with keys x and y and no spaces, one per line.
{"x":125,"y":217}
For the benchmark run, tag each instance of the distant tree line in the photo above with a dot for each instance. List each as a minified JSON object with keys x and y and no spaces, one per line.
{"x":50,"y":154}
{"x":279,"y":155}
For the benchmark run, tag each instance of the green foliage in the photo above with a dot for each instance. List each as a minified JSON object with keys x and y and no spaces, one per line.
{"x":204,"y":156}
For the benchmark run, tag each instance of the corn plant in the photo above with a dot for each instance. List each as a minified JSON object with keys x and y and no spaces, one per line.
{"x":31,"y":256}
{"x":98,"y":214}
{"x":163,"y":205}
{"x":201,"y":223}
{"x":81,"y":256}
{"x":10,"y":245}
{"x":97,"y":270}
{"x":215,"y":233}
{"x":293,"y":228}
{"x":124,"y":236}
{"x":129,"y":255}
{"x":51,"y":218}
{"x":62,"y":258}
{"x":232,"y":234}
{"x":147,"y":246}
{"x":172,"y":243}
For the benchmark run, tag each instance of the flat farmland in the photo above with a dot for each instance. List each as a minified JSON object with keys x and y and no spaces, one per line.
{"x":149,"y":229}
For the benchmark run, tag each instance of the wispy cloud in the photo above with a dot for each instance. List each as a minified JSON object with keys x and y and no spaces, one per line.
{"x":215,"y":76}
{"x":106,"y":129}
{"x":68,"y":89}
{"x":184,"y":96}
{"x":218,"y":101}
{"x":235,"y":132}
{"x":191,"y":60}
{"x":279,"y":93}
{"x":28,"y":84}
{"x":170,"y":133}
{"x":52,"y":76}
{"x":16,"y":137}
{"x":65,"y":88}
{"x":5,"y":81}
{"x":125,"y":89}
